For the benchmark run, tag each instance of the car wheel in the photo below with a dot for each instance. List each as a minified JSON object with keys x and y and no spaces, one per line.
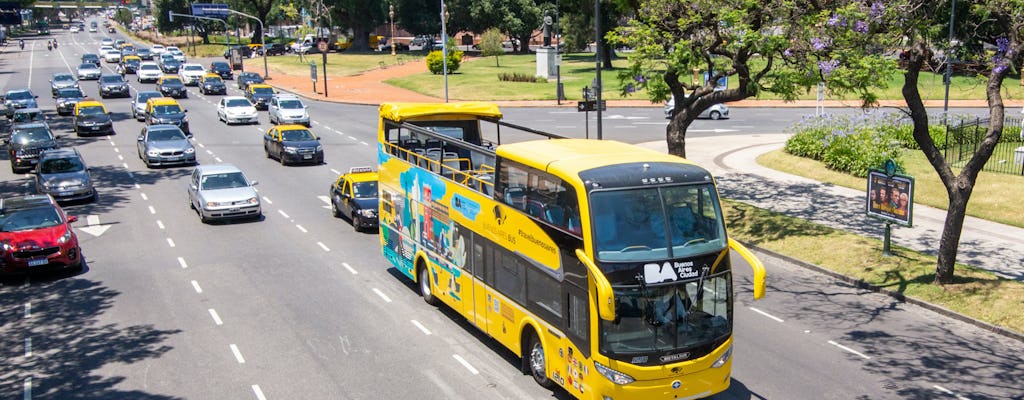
{"x":535,"y":361}
{"x":14,"y":169}
{"x":334,"y":207}
{"x":280,"y":157}
{"x":424,"y":275}
{"x":356,"y":221}
{"x":715,"y":115}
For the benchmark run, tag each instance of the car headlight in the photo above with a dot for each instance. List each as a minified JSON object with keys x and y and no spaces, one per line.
{"x":184,"y":120}
{"x":65,"y":237}
{"x":6,"y":246}
{"x":612,"y":375}
{"x":290,"y":150}
{"x":212,"y":204}
{"x":190,"y":150}
{"x":723,"y":359}
{"x":152,"y":153}
{"x":253,"y":200}
{"x":319,"y":148}
{"x":368,"y":212}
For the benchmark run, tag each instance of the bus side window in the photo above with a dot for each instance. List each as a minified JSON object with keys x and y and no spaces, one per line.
{"x":516,"y":197}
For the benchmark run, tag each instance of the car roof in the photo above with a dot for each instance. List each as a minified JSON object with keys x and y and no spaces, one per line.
{"x":88,"y":65}
{"x":56,"y":74}
{"x":211,"y":75}
{"x":360,"y":174}
{"x":287,"y":96}
{"x":88,"y":103}
{"x":234,"y":98}
{"x":162,"y":127}
{"x":60,"y":152}
{"x":153,"y":63}
{"x":175,"y":77}
{"x":157,"y":101}
{"x":260,"y":86}
{"x":207,"y":169}
{"x":26,"y":202}
{"x":149,"y":93}
{"x":9,"y":92}
{"x":290,"y":127}
{"x":32,"y":110}
{"x":27,"y":125}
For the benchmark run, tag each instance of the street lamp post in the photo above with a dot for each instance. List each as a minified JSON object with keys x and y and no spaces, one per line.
{"x":263,"y":41}
{"x":444,"y":48}
{"x":597,"y":56}
{"x":391,"y":14}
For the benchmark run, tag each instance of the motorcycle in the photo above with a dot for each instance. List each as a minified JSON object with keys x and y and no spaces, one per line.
{"x":55,"y":43}
{"x":49,"y":45}
{"x":21,"y":43}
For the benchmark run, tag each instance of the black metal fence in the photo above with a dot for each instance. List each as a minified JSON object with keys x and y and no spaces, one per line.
{"x":963,"y":139}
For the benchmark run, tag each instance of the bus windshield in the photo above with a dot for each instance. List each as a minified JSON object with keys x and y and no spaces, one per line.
{"x":656,"y":223}
{"x":668,"y":318}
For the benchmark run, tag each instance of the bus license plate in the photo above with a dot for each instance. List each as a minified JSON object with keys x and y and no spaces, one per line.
{"x":35,"y":262}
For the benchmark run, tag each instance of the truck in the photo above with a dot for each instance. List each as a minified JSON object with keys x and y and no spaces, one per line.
{"x":308,"y":44}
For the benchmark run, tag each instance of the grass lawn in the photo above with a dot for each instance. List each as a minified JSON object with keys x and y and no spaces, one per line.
{"x":338,"y":64}
{"x":975,"y":293}
{"x":992,"y":199}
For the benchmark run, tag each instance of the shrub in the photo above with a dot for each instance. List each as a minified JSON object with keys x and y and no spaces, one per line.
{"x":850,"y":144}
{"x":436,"y":64}
{"x":517,"y":77}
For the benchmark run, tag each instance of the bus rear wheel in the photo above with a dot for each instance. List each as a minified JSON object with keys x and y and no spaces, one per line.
{"x":425,"y":285}
{"x":536,"y":362}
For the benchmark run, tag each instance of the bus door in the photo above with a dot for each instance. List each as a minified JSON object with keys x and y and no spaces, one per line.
{"x":481,"y":255}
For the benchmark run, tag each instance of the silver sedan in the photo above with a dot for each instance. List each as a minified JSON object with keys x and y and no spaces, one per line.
{"x":222,"y":191}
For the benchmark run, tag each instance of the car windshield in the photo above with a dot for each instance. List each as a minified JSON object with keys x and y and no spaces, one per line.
{"x":163,"y":135}
{"x":239,"y":103}
{"x":70,"y":93}
{"x":211,"y":79}
{"x":133,"y":61}
{"x":111,"y":79}
{"x":61,"y":165}
{"x":219,"y":65}
{"x":193,"y":68}
{"x":91,"y":110}
{"x":33,"y":134}
{"x":87,"y":66}
{"x":63,"y":78}
{"x":142,"y":97}
{"x":19,"y":95}
{"x":171,"y":81}
{"x":291,"y":104}
{"x":28,"y":219}
{"x":656,"y":223}
{"x":166,"y":109}
{"x":22,"y":116}
{"x":262,"y":90}
{"x":148,"y":67}
{"x":226,"y":180}
{"x":364,"y":190}
{"x":297,"y":135}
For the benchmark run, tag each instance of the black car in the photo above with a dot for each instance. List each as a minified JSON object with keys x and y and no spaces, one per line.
{"x":276,"y":49}
{"x":246,"y":51}
{"x":91,"y":58}
{"x":245,"y":78}
{"x":259,"y":96}
{"x":129,"y":66}
{"x":212,"y":85}
{"x":169,"y":65}
{"x":27,"y":141}
{"x":221,"y":68}
{"x":67,"y":98}
{"x":93,"y":119}
{"x":111,"y":30}
{"x":172,"y":86}
{"x":113,"y":85}
{"x":293,"y":144}
{"x":169,"y":114}
{"x":144,"y":53}
{"x":354,"y":195}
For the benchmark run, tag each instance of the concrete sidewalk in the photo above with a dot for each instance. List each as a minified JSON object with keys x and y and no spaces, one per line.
{"x":732,"y":159}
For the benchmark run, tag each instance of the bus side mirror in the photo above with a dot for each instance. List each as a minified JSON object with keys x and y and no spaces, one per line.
{"x":605,"y":297}
{"x":755,"y":264}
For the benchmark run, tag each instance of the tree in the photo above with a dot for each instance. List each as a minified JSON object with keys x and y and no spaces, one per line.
{"x":516,"y":18}
{"x":490,"y":44}
{"x":360,"y":16}
{"x":577,"y":24}
{"x":999,"y":22}
{"x":778,"y":46}
{"x":260,"y":9}
{"x":163,"y":22}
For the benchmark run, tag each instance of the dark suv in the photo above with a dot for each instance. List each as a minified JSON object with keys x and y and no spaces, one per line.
{"x":276,"y":49}
{"x":113,"y":85}
{"x":221,"y":68}
{"x":245,"y":78}
{"x":27,"y":141}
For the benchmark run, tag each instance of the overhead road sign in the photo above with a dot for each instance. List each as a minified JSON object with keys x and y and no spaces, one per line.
{"x":210,"y":10}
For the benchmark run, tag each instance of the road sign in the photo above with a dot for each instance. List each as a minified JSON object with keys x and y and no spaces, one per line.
{"x":210,"y":10}
{"x":322,"y":46}
{"x":590,"y":105}
{"x":312,"y":71}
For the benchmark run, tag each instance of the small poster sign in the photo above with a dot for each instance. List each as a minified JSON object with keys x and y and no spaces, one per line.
{"x":890,"y":196}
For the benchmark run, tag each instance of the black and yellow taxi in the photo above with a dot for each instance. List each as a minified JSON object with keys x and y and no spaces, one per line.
{"x":354,"y":196}
{"x":293,"y":144}
{"x":166,"y":111}
{"x":212,"y":84}
{"x":129,"y":64}
{"x":171,"y":86}
{"x":259,"y":95}
{"x":92,"y":118}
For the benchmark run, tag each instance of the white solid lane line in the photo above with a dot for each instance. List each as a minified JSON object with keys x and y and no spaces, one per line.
{"x":195,"y":285}
{"x":216,"y":318}
{"x":181,"y":261}
{"x":28,"y":347}
{"x":421,"y":327}
{"x":382,"y":295}
{"x":465,"y":364}
{"x":949,"y":392}
{"x":238,"y":354}
{"x":349,"y":268}
{"x":852,"y":351}
{"x":777,"y":319}
{"x":28,"y":388}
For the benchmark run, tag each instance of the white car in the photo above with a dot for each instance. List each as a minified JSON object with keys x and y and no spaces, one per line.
{"x":104,"y":49}
{"x":107,"y":42}
{"x":88,"y":71}
{"x":288,"y":109}
{"x":112,"y":56}
{"x":176,"y":52}
{"x":236,"y":109}
{"x":73,"y":29}
{"x":157,"y":49}
{"x":148,"y":72}
{"x":92,"y":29}
{"x":715,"y":112}
{"x":191,"y":73}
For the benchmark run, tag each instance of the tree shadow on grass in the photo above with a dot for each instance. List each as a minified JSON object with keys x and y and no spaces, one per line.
{"x":69,"y":343}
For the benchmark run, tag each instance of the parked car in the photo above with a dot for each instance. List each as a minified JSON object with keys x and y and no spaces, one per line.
{"x":139,"y":103}
{"x":221,"y":68}
{"x":165,"y":145}
{"x":354,"y":196}
{"x":91,"y":117}
{"x":715,"y":112}
{"x":148,"y":72}
{"x":246,"y":78}
{"x":259,"y":94}
{"x":222,"y":191}
{"x":36,"y":236}
{"x":288,"y":109}
{"x":171,"y":86}
{"x":276,"y":49}
{"x":213,"y":84}
{"x":167,"y":111}
{"x":62,"y":174}
{"x":238,"y":110}
{"x":246,"y":51}
{"x":293,"y":144}
{"x":62,"y":80}
{"x":89,"y":71}
{"x":19,"y":98}
{"x":67,"y":98}
{"x":27,"y":142}
{"x":113,"y":85}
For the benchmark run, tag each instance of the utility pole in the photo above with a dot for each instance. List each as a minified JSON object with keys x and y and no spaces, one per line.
{"x":597,"y":56}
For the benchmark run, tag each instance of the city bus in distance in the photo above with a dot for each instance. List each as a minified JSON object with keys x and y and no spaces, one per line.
{"x":603,"y":265}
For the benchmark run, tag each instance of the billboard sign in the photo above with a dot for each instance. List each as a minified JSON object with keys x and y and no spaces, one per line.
{"x":890,"y":197}
{"x":210,"y":10}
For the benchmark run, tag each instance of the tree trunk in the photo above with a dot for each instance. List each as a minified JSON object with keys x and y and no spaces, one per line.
{"x":607,"y":52}
{"x":675,"y":133}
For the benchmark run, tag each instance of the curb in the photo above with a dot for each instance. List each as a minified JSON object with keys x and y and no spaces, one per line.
{"x":860,"y":284}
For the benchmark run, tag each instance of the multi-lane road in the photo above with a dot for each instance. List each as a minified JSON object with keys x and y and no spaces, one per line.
{"x":299,"y":306}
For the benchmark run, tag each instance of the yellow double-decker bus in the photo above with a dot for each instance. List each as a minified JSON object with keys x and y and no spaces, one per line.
{"x":603,"y":265}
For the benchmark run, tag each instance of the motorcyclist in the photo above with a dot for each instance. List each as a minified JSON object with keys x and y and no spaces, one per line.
{"x":21,"y":43}
{"x":55,"y":43}
{"x":49,"y":45}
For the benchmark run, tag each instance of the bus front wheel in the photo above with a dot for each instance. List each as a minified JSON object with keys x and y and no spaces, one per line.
{"x":537,"y":363}
{"x":425,"y":285}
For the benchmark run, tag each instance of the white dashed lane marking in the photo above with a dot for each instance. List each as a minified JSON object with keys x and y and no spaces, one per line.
{"x":465,"y":364}
{"x":181,"y":261}
{"x":382,"y":295}
{"x":216,"y":318}
{"x":849,"y":350}
{"x":421,"y":327}
{"x":238,"y":354}
{"x":195,"y":285}
{"x":349,"y":268}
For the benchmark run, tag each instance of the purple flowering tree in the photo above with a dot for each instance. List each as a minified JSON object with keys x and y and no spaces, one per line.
{"x":780,"y":47}
{"x":998,"y":22}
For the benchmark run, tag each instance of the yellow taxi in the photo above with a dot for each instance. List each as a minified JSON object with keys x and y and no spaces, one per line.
{"x":259,"y":95}
{"x":212,"y":84}
{"x":166,"y":111}
{"x":256,"y":48}
{"x":354,"y":196}
{"x":129,"y":64}
{"x":293,"y":144}
{"x":92,"y":118}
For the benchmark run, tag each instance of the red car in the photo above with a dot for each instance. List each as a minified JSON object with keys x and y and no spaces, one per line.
{"x":36,"y":234}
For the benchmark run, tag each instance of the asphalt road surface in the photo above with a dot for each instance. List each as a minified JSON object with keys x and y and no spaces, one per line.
{"x":299,"y":306}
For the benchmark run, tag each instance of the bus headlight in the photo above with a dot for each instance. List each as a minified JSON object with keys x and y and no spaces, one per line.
{"x":723,"y":359}
{"x":612,"y":375}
